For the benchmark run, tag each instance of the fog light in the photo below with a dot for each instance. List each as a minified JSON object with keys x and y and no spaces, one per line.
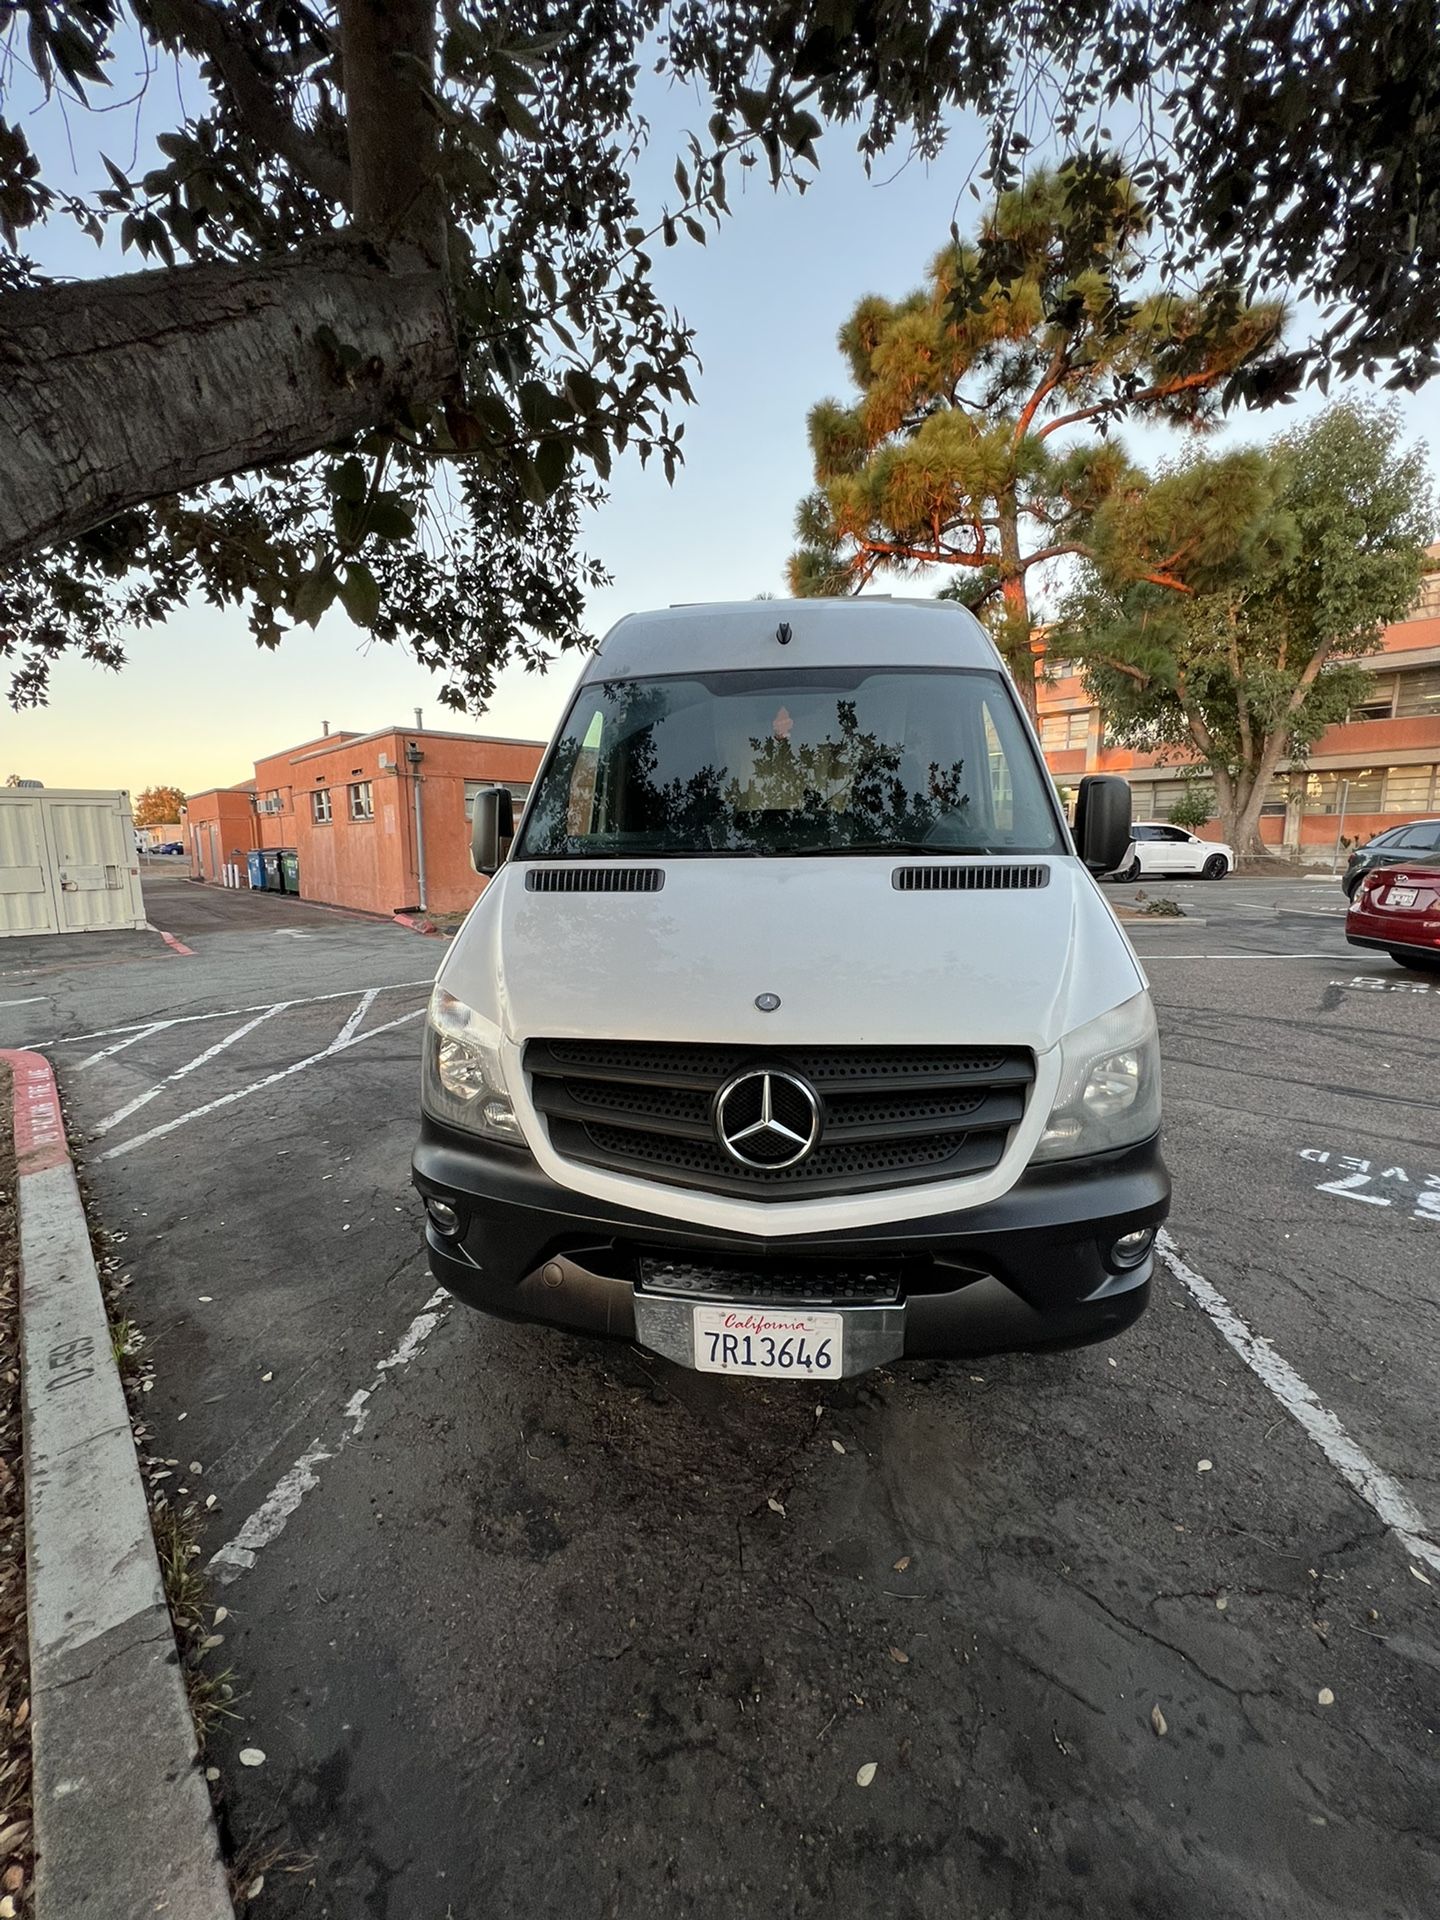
{"x":443,"y":1216}
{"x":1131,"y":1248}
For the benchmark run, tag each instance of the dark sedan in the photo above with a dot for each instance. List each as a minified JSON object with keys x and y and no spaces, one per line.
{"x":1417,"y":845}
{"x":1398,"y":909}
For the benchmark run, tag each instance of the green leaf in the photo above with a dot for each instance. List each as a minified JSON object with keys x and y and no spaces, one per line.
{"x":360,"y":594}
{"x":313,"y":595}
{"x":552,"y":460}
{"x":347,"y":481}
{"x":389,"y":518}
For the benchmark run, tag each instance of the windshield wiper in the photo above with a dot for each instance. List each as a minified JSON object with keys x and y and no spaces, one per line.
{"x":884,"y":847}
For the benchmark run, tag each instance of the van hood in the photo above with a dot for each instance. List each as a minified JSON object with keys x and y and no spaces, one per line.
{"x":851,"y":958}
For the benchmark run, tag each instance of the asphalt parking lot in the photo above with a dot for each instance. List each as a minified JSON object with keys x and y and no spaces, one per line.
{"x":529,"y":1623}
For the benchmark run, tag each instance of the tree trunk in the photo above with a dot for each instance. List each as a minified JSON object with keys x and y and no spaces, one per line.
{"x":119,"y":391}
{"x":1015,"y":640}
{"x":1245,"y":838}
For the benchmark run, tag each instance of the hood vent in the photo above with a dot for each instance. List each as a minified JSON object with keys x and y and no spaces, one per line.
{"x":594,"y":879}
{"x":968,"y":879}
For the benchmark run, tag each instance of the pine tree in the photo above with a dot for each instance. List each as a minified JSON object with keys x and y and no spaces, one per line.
{"x":980,"y":440}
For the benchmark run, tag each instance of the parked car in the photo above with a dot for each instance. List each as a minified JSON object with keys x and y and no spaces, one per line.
{"x":171,"y":846}
{"x":1417,"y":845}
{"x":781,"y":1041}
{"x":1158,"y":848}
{"x":1398,"y":909}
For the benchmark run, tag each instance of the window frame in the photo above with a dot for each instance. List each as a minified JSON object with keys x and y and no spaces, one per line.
{"x":321,"y":817}
{"x":361,"y":812}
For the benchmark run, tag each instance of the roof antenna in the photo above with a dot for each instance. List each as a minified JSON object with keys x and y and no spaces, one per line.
{"x":782,"y":633}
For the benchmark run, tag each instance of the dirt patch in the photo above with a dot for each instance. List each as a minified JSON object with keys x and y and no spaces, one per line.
{"x":16,"y":1843}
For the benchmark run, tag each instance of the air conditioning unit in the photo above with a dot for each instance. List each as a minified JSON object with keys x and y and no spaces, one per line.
{"x":385,"y":761}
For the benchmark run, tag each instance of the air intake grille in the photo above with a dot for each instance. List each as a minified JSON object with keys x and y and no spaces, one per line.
{"x":968,"y":879}
{"x":594,"y":879}
{"x":890,"y":1116}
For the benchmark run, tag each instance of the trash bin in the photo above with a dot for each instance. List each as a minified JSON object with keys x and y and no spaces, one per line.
{"x":255,"y":867}
{"x":290,"y":872}
{"x":274,"y":879}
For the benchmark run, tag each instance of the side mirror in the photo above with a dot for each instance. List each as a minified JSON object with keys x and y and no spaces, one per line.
{"x":492,"y":828}
{"x":1102,"y":821}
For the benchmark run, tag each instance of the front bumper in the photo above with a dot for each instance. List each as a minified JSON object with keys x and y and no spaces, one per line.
{"x":1031,"y":1269}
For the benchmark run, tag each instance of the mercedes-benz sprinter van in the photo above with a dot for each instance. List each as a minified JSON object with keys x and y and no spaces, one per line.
{"x":792,"y":1033}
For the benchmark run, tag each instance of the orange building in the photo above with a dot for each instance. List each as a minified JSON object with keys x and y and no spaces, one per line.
{"x":1379,"y":768}
{"x":378,"y":821}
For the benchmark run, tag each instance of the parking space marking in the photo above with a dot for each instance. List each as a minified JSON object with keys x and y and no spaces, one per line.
{"x":112,"y":1120}
{"x":270,"y":1518}
{"x":1384,"y":1496}
{"x":337,"y":1045}
{"x":367,"y":1000}
{"x":120,"y":1046}
{"x":1397,"y":1188}
{"x":139,"y":1028}
{"x":1154,"y":953}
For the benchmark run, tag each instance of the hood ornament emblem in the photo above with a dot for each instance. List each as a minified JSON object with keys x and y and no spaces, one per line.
{"x":767,"y":1002}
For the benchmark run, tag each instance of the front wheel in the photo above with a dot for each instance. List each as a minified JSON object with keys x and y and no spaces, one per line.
{"x":1216,"y":867}
{"x":1132,"y":872}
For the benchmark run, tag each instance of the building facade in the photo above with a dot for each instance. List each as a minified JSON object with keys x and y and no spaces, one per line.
{"x":377,"y":821}
{"x":1378,"y":769}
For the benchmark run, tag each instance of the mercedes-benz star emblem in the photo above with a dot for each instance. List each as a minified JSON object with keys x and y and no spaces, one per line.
{"x":767,"y":1119}
{"x":767,"y":1002}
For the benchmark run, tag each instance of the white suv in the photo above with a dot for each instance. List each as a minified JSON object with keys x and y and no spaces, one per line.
{"x":1156,"y":848}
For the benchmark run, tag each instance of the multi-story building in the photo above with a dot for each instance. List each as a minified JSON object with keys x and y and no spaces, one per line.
{"x":1378,"y":769}
{"x":378,"y":821}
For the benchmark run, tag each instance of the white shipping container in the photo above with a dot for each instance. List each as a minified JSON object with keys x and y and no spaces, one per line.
{"x":67,"y":862}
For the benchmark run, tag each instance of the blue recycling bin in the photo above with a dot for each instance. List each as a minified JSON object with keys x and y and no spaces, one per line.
{"x":255,"y":868}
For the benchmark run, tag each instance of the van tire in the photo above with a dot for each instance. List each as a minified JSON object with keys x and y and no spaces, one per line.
{"x":1216,"y":867}
{"x":1132,"y":872}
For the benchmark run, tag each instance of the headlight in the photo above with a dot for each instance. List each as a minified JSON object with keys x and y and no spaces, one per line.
{"x":1109,"y":1092}
{"x":462,"y":1080}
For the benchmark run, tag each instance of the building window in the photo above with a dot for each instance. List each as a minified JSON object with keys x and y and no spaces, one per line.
{"x":1064,"y":732}
{"x":1427,"y":604}
{"x":1379,"y":701}
{"x":1411,"y":789}
{"x":362,"y":806}
{"x":1058,"y":669}
{"x":320,"y":807}
{"x":519,"y":789}
{"x":1364,"y":788}
{"x":1419,"y":695}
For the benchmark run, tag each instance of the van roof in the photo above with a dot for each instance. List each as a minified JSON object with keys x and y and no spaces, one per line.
{"x":869,"y":631}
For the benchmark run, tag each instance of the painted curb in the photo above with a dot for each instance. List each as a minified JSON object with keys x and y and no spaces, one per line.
{"x":124,"y":1828}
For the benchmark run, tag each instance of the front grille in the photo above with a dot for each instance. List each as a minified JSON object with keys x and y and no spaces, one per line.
{"x":968,"y":879}
{"x":782,"y":1284}
{"x":890,"y":1116}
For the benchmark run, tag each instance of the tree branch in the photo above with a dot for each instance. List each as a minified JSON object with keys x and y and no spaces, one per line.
{"x":115,"y":392}
{"x":209,"y":33}
{"x":1162,"y":390}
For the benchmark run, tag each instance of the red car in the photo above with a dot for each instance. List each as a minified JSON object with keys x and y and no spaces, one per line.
{"x":1398,"y":909}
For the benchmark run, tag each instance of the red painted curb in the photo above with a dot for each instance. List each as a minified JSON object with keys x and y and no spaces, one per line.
{"x":39,"y":1129}
{"x":177,"y":946}
{"x":415,"y":925}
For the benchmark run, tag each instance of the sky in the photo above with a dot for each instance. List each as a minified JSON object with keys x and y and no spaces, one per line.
{"x":198,"y":701}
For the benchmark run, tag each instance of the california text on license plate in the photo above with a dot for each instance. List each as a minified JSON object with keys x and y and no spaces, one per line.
{"x":756,"y":1340}
{"x":1402,"y":896}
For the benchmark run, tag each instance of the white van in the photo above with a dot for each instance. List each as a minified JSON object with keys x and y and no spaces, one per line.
{"x":792,"y":1034}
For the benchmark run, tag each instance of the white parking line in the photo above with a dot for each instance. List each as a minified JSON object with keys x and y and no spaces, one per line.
{"x":366,"y":1001}
{"x":1154,"y":953}
{"x":120,"y":1046}
{"x":113,"y":1120}
{"x":337,"y":1045}
{"x":269,"y":1519}
{"x":139,"y":1028}
{"x":1384,"y":1496}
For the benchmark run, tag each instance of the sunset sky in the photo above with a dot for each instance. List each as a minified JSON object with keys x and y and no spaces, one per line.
{"x":198,"y":702}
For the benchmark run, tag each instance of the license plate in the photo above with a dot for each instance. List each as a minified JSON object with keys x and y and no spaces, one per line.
{"x":757,"y":1340}
{"x":1401,"y":897}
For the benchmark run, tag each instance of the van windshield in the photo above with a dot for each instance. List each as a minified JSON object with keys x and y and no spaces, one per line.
{"x":807,"y":761}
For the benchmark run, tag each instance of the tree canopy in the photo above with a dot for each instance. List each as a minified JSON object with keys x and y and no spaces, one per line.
{"x":979,"y":440}
{"x":158,"y":806}
{"x":1226,"y":605}
{"x":396,"y":314}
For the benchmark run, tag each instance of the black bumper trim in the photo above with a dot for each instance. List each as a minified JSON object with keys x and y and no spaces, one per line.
{"x":1027,"y":1270}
